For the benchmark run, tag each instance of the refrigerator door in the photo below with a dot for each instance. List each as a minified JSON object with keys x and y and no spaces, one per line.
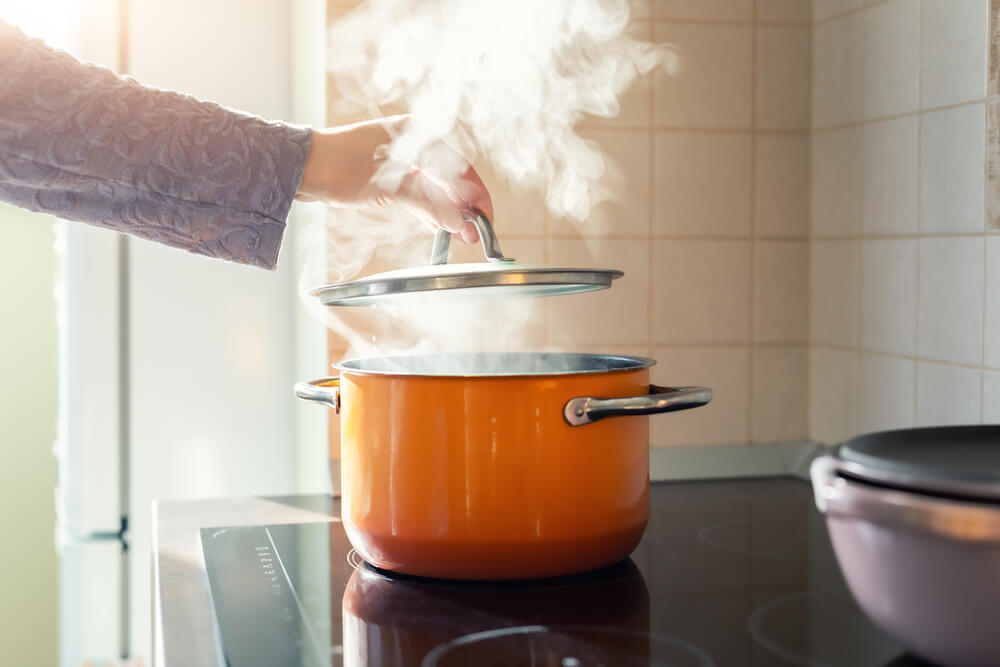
{"x":88,"y":448}
{"x":91,"y":596}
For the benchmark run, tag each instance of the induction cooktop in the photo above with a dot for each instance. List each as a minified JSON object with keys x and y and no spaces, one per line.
{"x":729,"y":573}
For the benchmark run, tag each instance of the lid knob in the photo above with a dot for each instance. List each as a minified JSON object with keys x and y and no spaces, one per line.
{"x":491,"y":247}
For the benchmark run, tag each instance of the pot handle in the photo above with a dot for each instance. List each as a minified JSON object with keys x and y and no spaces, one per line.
{"x":325,"y":391}
{"x":586,"y":409}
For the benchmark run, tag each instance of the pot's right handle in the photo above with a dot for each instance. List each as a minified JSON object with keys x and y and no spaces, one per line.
{"x":586,"y":409}
{"x":325,"y":391}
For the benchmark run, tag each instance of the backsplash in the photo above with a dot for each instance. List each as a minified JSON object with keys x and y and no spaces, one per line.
{"x":711,"y":226}
{"x":905,"y":272}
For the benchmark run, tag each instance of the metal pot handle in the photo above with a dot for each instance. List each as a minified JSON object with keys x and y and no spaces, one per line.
{"x":965,"y":521}
{"x":586,"y":409}
{"x":491,"y":247}
{"x":325,"y":391}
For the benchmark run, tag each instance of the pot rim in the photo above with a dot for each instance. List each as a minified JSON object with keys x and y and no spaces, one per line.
{"x":536,"y":364}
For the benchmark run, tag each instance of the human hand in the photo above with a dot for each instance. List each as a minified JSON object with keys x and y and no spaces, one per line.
{"x":348,"y":166}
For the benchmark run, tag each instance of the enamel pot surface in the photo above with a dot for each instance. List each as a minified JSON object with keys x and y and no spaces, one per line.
{"x":496,"y":466}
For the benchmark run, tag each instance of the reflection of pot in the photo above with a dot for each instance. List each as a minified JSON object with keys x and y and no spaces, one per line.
{"x":391,"y":621}
{"x":489,"y":466}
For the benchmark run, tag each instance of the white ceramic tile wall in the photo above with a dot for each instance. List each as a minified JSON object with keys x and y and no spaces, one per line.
{"x":719,"y":198}
{"x":891,"y":63}
{"x":890,"y":176}
{"x":948,"y":394}
{"x":898,"y":217}
{"x":950,"y":324}
{"x":889,"y":296}
{"x":836,"y":182}
{"x":952,"y":173}
{"x":885,"y":394}
{"x":955,"y":42}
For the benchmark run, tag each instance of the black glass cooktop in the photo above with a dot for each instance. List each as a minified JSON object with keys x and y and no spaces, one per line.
{"x":729,"y":573}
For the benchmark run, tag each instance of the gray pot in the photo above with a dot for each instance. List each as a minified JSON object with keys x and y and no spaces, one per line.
{"x":921,"y":560}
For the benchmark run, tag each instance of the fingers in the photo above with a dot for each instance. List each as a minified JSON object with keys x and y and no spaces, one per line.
{"x":425,"y":198}
{"x":458,"y":182}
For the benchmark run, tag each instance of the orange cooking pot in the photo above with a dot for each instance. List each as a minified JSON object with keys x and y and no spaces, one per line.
{"x":495,"y":466}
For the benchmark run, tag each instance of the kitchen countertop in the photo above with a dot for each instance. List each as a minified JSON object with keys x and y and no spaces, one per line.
{"x":740,"y":571}
{"x":184,"y":629}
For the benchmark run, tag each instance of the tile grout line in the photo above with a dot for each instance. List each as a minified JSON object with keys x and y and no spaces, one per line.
{"x":691,"y":129}
{"x":893,"y":355}
{"x":676,"y":20}
{"x":897,"y":116}
{"x":809,"y":233}
{"x":754,"y":305}
{"x":858,"y":246}
{"x":850,"y":12}
{"x":651,"y":219}
{"x":986,"y":203}
{"x":920,"y":151}
{"x":986,"y":190}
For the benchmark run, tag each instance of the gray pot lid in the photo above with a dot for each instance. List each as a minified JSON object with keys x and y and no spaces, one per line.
{"x":498,"y":276}
{"x":955,"y":461}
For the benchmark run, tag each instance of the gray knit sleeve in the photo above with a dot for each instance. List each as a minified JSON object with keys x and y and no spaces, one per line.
{"x":82,"y":143}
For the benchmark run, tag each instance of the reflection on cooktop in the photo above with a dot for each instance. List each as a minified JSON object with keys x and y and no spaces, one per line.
{"x":729,"y":573}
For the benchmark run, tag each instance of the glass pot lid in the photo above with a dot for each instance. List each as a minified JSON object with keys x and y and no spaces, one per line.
{"x":498,"y":276}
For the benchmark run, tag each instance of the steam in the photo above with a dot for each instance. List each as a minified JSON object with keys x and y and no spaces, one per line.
{"x":503,"y":81}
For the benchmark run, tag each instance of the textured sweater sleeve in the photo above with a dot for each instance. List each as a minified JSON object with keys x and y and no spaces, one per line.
{"x":82,"y":143}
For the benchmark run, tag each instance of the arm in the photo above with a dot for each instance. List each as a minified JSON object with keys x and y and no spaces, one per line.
{"x":80,"y":142}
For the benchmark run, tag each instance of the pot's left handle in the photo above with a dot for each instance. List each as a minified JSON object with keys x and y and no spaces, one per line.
{"x":586,"y":409}
{"x":325,"y":391}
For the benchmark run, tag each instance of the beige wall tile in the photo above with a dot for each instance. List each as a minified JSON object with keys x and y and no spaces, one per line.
{"x":779,"y":394}
{"x":641,"y":9}
{"x":626,"y":178}
{"x":991,"y":397}
{"x":723,"y":421}
{"x":518,"y":210}
{"x":729,"y":10}
{"x":886,"y":393}
{"x":616,"y":315}
{"x":838,"y":71}
{"x":833,"y":296}
{"x":702,"y":292}
{"x":785,"y":11}
{"x":889,"y":296}
{"x":702,"y":184}
{"x":951,"y":300}
{"x":892,"y":58}
{"x":781,"y":283}
{"x":782,"y":182}
{"x":833,"y":386}
{"x":823,"y":9}
{"x":991,"y":342}
{"x":889,"y":192}
{"x":954,"y":43}
{"x":712,"y":87}
{"x":782,"y":96}
{"x":947,"y":394}
{"x":836,"y":172}
{"x":635,"y":103}
{"x":993,"y":158}
{"x":604,"y":348}
{"x":952,"y":179}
